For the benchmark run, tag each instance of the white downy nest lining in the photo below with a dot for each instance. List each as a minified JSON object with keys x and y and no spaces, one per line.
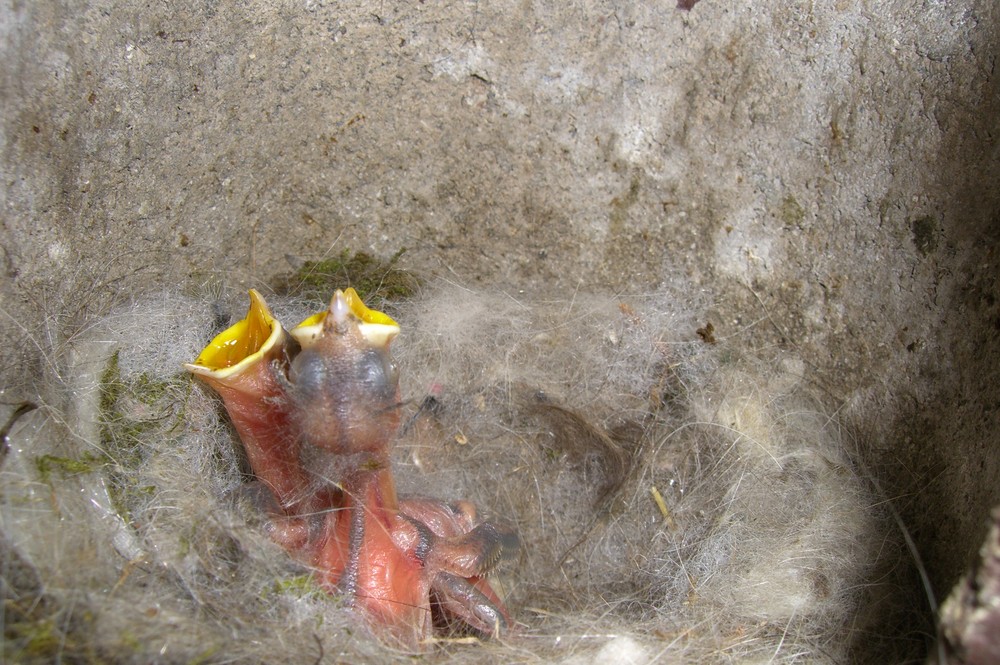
{"x":678,"y":498}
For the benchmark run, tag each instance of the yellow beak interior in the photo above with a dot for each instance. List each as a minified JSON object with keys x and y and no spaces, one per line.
{"x":242,"y":341}
{"x":359,"y":309}
{"x":245,"y":343}
{"x":377,"y":328}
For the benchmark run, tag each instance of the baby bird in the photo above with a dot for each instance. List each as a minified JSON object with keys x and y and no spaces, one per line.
{"x":317,"y":410}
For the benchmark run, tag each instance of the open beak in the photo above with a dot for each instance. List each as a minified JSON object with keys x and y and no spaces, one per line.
{"x":243,"y":364}
{"x":241,"y":346}
{"x":377,"y":328}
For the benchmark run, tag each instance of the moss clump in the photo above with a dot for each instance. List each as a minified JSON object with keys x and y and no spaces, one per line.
{"x":375,"y":280}
{"x":65,"y":466}
{"x":37,"y":630}
{"x":299,"y":586}
{"x":134,"y":411}
{"x":35,"y":640}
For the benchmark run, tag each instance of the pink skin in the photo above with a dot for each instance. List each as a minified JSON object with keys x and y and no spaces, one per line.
{"x":457,"y":553}
{"x":254,"y":399}
{"x":319,"y":439}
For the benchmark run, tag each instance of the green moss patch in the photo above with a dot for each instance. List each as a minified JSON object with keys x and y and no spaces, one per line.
{"x":66,"y":466}
{"x":135,"y":412}
{"x":377,"y":281}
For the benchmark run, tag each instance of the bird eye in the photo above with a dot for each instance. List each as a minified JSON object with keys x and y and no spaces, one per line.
{"x":378,"y":371}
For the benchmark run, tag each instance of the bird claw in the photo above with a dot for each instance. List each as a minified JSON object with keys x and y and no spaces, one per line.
{"x":458,"y":544}
{"x":472,"y":602}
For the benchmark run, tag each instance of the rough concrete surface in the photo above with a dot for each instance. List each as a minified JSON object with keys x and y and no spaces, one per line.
{"x":826,"y":172}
